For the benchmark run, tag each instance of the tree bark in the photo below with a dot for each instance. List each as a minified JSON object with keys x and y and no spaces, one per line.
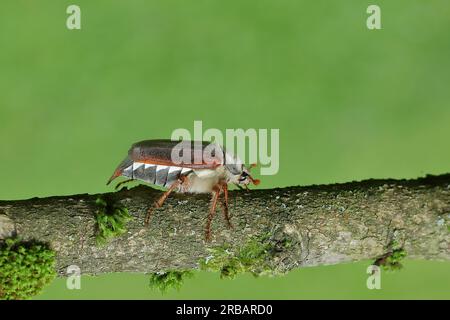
{"x":325,"y":224}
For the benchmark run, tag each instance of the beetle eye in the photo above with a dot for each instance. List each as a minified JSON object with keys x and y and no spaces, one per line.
{"x":243,"y":176}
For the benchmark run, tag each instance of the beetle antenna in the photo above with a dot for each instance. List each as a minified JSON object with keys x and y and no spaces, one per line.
{"x":254,"y":181}
{"x":253,"y":165}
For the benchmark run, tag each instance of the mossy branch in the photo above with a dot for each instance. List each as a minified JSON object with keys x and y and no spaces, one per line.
{"x":26,"y":267}
{"x":274,"y":230}
{"x":110,"y":220}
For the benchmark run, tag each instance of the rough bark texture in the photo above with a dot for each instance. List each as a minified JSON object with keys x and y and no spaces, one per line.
{"x":324,"y":224}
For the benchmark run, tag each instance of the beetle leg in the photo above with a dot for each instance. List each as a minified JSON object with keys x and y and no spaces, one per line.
{"x":237,"y":185}
{"x":212,"y":211}
{"x":122,"y":183}
{"x":162,"y":199}
{"x":225,"y":205}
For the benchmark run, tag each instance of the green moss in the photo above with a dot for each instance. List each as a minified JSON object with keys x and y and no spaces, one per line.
{"x":164,"y":281}
{"x":393,"y":260}
{"x":25,"y":268}
{"x":110,"y":220}
{"x":253,"y":257}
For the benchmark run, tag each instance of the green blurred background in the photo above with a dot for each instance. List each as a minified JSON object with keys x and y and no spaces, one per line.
{"x":350,"y":104}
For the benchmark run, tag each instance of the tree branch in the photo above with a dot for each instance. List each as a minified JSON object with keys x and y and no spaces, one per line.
{"x":325,"y":224}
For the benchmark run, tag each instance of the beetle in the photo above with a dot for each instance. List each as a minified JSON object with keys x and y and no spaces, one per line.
{"x":185,"y":167}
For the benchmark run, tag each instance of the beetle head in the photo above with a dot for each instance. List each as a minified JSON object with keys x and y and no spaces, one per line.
{"x":245,"y":178}
{"x":239,"y":175}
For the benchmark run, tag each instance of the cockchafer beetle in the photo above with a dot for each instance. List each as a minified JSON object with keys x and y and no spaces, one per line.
{"x":185,"y":167}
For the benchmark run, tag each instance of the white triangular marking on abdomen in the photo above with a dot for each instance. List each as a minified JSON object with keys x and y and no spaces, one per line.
{"x":184,"y":170}
{"x":137,"y":165}
{"x":174,"y":169}
{"x":160,"y":167}
{"x":128,"y":169}
{"x":146,"y":166}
